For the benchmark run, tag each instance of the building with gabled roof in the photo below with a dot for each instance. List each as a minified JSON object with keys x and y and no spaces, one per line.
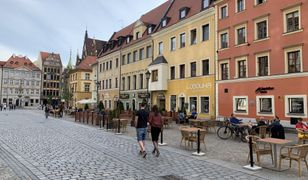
{"x":51,"y":67}
{"x":21,"y":82}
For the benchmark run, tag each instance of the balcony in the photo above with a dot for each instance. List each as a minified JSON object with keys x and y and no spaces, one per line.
{"x":159,"y":74}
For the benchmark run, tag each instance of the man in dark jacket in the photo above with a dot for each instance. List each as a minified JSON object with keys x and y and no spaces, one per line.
{"x":141,"y":126}
{"x":277,"y":129}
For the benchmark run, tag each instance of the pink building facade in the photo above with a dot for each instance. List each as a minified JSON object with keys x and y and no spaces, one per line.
{"x":262,"y":58}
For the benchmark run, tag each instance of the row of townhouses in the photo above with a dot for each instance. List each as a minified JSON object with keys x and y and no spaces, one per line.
{"x":245,"y":57}
{"x":26,"y":83}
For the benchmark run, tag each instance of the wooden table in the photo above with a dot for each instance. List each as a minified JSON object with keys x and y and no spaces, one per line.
{"x":275,"y":142}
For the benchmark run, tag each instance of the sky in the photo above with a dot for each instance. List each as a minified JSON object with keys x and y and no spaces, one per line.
{"x":30,"y":26}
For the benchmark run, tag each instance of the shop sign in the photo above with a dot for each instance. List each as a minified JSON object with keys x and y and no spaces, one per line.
{"x":143,"y":95}
{"x":160,"y":96}
{"x":124,"y":96}
{"x":263,"y":90}
{"x":199,"y":86}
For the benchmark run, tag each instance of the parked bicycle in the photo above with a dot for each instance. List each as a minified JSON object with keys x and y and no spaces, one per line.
{"x":229,"y":130}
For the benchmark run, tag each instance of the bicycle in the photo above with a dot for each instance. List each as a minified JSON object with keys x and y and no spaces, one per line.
{"x":228,"y":130}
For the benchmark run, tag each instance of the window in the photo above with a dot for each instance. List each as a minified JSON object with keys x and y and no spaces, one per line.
{"x":160,"y":48}
{"x":293,"y":59}
{"x":103,"y":66}
{"x":193,"y":69}
{"x":103,"y":83}
{"x":150,"y":29}
{"x":128,"y":57}
{"x":241,"y":66}
{"x":173,"y":102}
{"x":265,"y":105}
{"x":182,"y":40}
{"x":205,"y":67}
{"x":87,"y":76}
{"x":172,"y":72}
{"x":262,"y":65}
{"x":135,"y":56}
{"x":224,"y":40}
{"x":259,"y":2}
{"x":107,"y":65}
{"x":241,"y":35}
{"x":134,"y":82}
{"x":110,"y":84}
{"x":116,"y":83}
{"x":205,"y":32}
{"x":292,"y":21}
{"x":224,"y":71}
{"x":240,"y":104}
{"x":140,"y":81}
{"x":164,"y":23}
{"x":205,"y":105}
{"x":100,"y":67}
{"x":117,"y":62}
{"x":106,"y":85}
{"x":296,"y":105}
{"x":123,"y":59}
{"x":193,"y":36}
{"x":110,"y":64}
{"x":182,"y":13}
{"x":149,"y":51}
{"x":193,"y":104}
{"x":87,"y":87}
{"x":137,"y":35}
{"x":223,"y":12}
{"x":154,"y":75}
{"x":182,"y":71}
{"x":128,"y":83}
{"x":240,"y":5}
{"x":123,"y":83}
{"x":261,"y":29}
{"x":141,"y":53}
{"x":205,"y":3}
{"x":172,"y":44}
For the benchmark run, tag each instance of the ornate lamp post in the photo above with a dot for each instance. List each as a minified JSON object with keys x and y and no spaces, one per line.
{"x":147,"y":76}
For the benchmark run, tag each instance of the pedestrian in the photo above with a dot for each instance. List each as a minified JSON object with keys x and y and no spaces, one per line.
{"x":141,"y":128}
{"x":156,"y":124}
{"x":4,"y":107}
{"x":1,"y":107}
{"x":47,"y":111}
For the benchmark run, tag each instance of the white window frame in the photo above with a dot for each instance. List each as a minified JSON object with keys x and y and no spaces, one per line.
{"x":219,"y":69}
{"x":220,"y":10}
{"x":180,"y":43}
{"x":258,"y":106}
{"x":200,"y":107}
{"x":234,"y":105}
{"x":256,"y":28}
{"x":160,"y":51}
{"x":196,"y":107}
{"x":290,"y":10}
{"x":291,"y":49}
{"x":174,"y":47}
{"x":237,"y":68}
{"x":191,"y":34}
{"x":236,"y":8}
{"x":257,"y":64}
{"x":236,"y":34}
{"x":176,"y":102}
{"x":228,"y":39}
{"x":287,"y":113}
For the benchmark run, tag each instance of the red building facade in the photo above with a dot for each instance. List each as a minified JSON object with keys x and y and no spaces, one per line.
{"x":262,"y":58}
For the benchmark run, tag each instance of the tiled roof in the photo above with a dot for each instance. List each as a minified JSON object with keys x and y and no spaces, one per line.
{"x":2,"y":63}
{"x":159,"y":60}
{"x":20,"y":61}
{"x":152,"y":17}
{"x":52,"y":55}
{"x":86,"y":63}
{"x":93,"y":46}
{"x":195,"y":6}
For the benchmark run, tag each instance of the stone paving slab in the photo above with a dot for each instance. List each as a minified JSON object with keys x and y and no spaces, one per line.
{"x":55,"y":149}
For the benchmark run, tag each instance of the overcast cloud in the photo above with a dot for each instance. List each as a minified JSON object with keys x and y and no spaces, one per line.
{"x":30,"y":26}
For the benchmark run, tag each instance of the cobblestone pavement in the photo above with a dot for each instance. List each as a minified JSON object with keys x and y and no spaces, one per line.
{"x":38,"y":148}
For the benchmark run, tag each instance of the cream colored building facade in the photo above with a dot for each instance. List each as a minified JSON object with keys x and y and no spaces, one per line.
{"x":182,"y":74}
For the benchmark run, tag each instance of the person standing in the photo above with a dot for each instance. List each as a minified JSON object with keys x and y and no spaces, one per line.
{"x":156,"y":124}
{"x":141,"y":128}
{"x":46,"y":111}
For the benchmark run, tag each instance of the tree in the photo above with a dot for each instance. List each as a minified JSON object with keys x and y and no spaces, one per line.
{"x":86,"y":106}
{"x":67,"y":96}
{"x":100,"y":106}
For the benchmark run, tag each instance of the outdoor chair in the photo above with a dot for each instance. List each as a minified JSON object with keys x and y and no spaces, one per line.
{"x":185,"y":136}
{"x":256,"y":148}
{"x":194,"y":139}
{"x":302,"y":136}
{"x":262,"y":131}
{"x":124,"y":125}
{"x":297,"y":153}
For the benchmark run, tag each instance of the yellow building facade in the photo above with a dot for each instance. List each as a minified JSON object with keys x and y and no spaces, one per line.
{"x":183,"y":70}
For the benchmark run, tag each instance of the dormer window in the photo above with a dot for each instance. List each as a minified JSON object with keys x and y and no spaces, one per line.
{"x":150,"y":29}
{"x":137,"y":35}
{"x":128,"y":39}
{"x":164,"y":21}
{"x":183,"y":12}
{"x":120,"y":40}
{"x":205,"y":4}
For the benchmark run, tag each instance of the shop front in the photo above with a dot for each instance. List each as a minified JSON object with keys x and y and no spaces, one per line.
{"x":133,"y":100}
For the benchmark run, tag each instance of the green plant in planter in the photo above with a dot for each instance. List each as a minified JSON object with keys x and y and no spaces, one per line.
{"x":100,"y":106}
{"x":86,"y":107}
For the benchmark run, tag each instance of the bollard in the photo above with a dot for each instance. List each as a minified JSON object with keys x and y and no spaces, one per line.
{"x":119,"y":125}
{"x":75,"y":116}
{"x":103,"y":120}
{"x":100,"y":121}
{"x":107,"y":123}
{"x":250,"y":152}
{"x":198,"y":149}
{"x":162,"y":138}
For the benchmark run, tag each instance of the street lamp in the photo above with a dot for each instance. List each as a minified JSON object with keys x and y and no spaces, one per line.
{"x":147,"y":76}
{"x":98,"y":84}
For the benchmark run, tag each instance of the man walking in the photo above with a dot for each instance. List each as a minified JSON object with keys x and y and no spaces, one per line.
{"x":141,"y":128}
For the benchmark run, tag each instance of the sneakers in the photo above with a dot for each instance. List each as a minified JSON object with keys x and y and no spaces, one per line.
{"x":153,"y":152}
{"x":144,"y":154}
{"x":157,"y":154}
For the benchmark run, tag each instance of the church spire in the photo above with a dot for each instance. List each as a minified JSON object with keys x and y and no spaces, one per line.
{"x":69,"y":64}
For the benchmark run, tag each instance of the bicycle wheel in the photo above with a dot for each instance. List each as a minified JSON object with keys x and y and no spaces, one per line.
{"x":224,"y":132}
{"x":243,"y":135}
